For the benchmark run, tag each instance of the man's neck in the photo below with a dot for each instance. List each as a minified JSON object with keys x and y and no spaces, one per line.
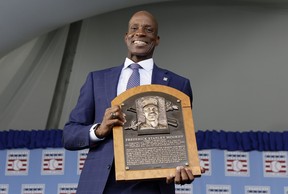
{"x":137,"y":59}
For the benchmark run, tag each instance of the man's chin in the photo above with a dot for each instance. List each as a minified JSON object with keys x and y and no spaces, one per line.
{"x":142,"y":52}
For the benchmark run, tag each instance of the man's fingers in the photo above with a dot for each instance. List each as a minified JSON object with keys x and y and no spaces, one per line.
{"x":115,"y":113}
{"x":177,"y":179}
{"x":190,"y":175}
{"x":170,"y":179}
{"x":183,"y":175}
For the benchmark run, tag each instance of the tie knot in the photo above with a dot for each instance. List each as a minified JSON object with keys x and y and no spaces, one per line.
{"x":134,"y":66}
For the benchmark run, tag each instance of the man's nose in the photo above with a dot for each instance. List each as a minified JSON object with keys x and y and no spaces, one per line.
{"x":140,"y":32}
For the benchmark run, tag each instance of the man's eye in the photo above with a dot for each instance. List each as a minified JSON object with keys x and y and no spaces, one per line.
{"x":150,"y":30}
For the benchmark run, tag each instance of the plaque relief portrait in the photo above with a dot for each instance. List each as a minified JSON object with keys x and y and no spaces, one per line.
{"x":151,"y":115}
{"x":151,"y":112}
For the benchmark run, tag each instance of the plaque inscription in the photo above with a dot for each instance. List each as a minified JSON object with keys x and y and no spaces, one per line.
{"x":155,"y":152}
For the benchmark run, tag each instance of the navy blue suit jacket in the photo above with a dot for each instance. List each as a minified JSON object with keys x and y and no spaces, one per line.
{"x":96,"y":95}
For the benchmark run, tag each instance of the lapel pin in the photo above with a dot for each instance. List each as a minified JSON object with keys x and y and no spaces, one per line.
{"x":165,"y":79}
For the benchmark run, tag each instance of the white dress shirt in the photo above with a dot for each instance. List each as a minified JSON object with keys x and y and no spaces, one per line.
{"x":145,"y":74}
{"x":145,"y":78}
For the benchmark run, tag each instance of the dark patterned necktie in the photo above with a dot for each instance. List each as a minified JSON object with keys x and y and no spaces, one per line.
{"x":134,"y":79}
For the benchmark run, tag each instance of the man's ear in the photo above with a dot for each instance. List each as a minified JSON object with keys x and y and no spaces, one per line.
{"x":125,"y":37}
{"x":158,"y":40}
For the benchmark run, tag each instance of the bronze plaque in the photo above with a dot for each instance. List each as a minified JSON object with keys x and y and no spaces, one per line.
{"x":158,"y":135}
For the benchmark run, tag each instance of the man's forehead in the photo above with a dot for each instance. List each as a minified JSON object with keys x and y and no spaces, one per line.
{"x":141,"y":22}
{"x":149,"y":105}
{"x":143,"y":19}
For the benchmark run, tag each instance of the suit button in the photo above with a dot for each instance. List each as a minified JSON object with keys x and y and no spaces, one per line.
{"x":109,"y":167}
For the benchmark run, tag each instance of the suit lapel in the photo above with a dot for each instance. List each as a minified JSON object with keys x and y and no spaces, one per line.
{"x":160,"y":76}
{"x":111,"y":82}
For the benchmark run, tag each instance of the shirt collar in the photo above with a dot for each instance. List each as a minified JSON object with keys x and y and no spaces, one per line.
{"x":145,"y":64}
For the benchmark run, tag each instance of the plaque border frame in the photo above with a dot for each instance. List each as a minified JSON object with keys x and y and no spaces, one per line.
{"x":121,"y":173}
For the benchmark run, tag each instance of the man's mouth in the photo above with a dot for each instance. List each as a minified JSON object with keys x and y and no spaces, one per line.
{"x":139,"y":43}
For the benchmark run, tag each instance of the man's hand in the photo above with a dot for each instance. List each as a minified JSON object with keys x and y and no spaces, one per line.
{"x":113,"y":117}
{"x":182,"y":176}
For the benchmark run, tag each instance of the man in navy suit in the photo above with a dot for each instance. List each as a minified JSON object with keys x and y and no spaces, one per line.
{"x":91,"y":121}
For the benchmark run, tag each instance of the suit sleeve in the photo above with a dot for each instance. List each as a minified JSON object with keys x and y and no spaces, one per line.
{"x":187,"y":89}
{"x":76,"y":130}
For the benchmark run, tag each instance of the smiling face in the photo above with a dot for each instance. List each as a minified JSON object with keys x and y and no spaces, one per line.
{"x":151,"y":112}
{"x":142,"y":36}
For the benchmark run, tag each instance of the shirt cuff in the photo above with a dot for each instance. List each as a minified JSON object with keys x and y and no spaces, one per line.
{"x":93,"y":137}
